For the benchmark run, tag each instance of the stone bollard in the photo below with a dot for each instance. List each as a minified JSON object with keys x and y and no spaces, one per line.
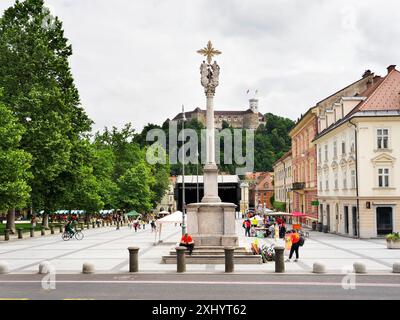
{"x":52,"y":229}
{"x":43,"y":231}
{"x":118,"y":225}
{"x":180,"y":259}
{"x":32,"y":230}
{"x":4,"y":267}
{"x":103,"y":223}
{"x":45,"y":268}
{"x":20,"y":235}
{"x":61,"y":229}
{"x":319,"y":267}
{"x":359,"y":267}
{"x":133,"y":259}
{"x":279,"y":259}
{"x":88,"y":268}
{"x":93,"y":225}
{"x":229,"y":259}
{"x":396,"y":267}
{"x":7,"y":234}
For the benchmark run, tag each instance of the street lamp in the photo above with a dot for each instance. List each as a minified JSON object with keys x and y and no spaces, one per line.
{"x":197,"y":172}
{"x":183,"y":173}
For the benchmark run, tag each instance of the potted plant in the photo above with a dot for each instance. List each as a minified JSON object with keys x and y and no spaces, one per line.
{"x":393,"y":240}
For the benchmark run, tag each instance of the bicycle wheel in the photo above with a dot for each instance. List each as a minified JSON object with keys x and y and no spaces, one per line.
{"x":78,"y":235}
{"x":66,"y":236}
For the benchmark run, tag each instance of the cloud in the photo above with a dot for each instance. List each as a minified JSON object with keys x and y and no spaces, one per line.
{"x":136,"y":60}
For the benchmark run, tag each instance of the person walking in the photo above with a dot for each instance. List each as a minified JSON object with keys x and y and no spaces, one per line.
{"x":276,"y":232}
{"x":153,"y":225}
{"x":136,"y":225}
{"x":295,"y":238}
{"x":247,"y":226}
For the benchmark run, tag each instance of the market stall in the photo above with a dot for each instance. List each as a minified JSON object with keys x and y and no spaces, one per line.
{"x":175,"y":217}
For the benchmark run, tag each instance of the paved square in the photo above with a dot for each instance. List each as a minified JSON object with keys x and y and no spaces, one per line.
{"x":107,"y":249}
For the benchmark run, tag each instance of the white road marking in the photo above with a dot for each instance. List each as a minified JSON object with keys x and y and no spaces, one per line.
{"x":263,"y":283}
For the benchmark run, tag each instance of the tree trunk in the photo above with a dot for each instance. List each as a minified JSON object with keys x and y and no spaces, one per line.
{"x":45,"y":222}
{"x":11,"y":220}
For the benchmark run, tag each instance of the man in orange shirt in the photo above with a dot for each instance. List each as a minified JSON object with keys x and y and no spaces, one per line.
{"x":295,"y":237}
{"x":187,"y":242}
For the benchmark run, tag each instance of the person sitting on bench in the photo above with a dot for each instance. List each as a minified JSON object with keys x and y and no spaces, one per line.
{"x":187,"y":242}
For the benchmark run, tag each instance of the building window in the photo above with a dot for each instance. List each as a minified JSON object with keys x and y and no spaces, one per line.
{"x":383,"y":177}
{"x":383,"y":138}
{"x":343,"y":147}
{"x":326,"y":152}
{"x":335,"y":149}
{"x":344,"y":180}
{"x":319,"y":154}
{"x":353,"y":179}
{"x":320,"y":184}
{"x":326,"y":184}
{"x":336,"y":181}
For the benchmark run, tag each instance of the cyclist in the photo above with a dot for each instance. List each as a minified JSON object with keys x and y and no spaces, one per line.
{"x":69,"y":228}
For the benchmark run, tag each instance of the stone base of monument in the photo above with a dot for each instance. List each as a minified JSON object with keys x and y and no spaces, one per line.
{"x":214,"y":255}
{"x":212,"y":224}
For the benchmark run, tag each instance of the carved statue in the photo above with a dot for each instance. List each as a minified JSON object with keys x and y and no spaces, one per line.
{"x":215,"y":74}
{"x":205,"y":73}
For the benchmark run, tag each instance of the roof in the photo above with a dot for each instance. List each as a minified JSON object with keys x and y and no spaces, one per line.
{"x":221,"y":179}
{"x":286,"y":155}
{"x":382,"y":95}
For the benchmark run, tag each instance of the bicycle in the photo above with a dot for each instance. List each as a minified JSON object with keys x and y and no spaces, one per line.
{"x":66,"y":236}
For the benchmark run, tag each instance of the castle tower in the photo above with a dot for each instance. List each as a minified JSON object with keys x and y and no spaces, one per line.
{"x":254,"y":105}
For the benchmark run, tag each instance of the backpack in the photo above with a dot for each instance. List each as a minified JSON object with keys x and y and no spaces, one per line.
{"x":301,"y":241}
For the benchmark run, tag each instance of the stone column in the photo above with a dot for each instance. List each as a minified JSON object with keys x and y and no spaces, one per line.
{"x":20,"y":236}
{"x":210,"y":169}
{"x":180,"y":259}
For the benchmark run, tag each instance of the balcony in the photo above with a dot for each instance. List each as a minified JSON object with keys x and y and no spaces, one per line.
{"x":298,"y":185}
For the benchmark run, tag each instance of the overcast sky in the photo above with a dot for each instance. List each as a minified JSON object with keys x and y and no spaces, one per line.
{"x":136,"y":61}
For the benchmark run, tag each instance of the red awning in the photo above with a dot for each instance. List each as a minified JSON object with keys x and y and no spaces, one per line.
{"x":298,"y":214}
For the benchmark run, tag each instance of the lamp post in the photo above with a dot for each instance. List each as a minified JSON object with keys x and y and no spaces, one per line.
{"x":183,"y":173}
{"x":197,"y":173}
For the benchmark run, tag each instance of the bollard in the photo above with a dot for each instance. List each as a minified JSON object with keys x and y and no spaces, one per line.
{"x":396,"y":267}
{"x":87,"y":226}
{"x":180,"y":259}
{"x":359,"y":267}
{"x":88,"y":268}
{"x":45,"y":268}
{"x":103,"y":223}
{"x":20,"y":236}
{"x":93,"y":225}
{"x":133,"y":259}
{"x":229,"y":259}
{"x":4,"y":267}
{"x":319,"y":267}
{"x":43,"y":231}
{"x":32,"y":230}
{"x":52,"y":229}
{"x":7,"y":234}
{"x":117,"y":225}
{"x":279,"y":259}
{"x":61,"y":229}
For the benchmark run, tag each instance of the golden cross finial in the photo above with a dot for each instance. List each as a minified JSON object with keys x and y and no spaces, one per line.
{"x":209,"y":52}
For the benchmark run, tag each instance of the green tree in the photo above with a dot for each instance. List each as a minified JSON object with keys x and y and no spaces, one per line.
{"x":134,"y":186}
{"x":38,"y":84}
{"x":14,"y":166}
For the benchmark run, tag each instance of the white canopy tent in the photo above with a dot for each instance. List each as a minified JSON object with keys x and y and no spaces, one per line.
{"x":175,"y":217}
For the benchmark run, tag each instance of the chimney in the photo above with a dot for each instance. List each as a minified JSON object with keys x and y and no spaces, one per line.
{"x":391,"y":68}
